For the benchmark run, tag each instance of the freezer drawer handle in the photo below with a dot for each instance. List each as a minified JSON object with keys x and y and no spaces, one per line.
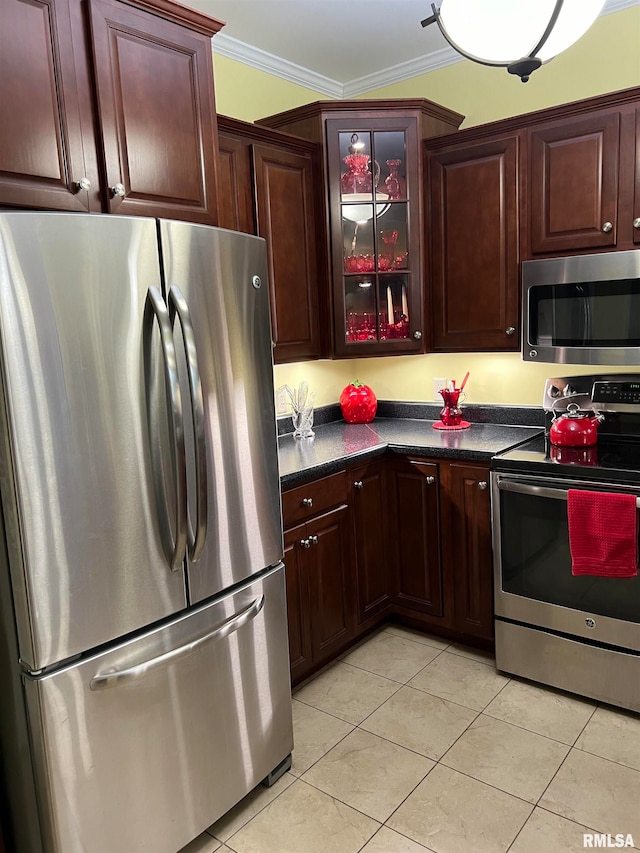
{"x":178,"y":306}
{"x":538,"y":491}
{"x":155,"y":308}
{"x":115,"y":677}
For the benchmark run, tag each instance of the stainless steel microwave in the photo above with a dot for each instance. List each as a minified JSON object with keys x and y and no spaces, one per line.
{"x":583,"y":309}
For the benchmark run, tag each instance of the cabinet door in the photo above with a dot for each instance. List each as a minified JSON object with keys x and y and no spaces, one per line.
{"x":416,"y":497}
{"x":573,"y":183}
{"x":469,"y":549}
{"x":375,"y":199}
{"x":41,"y":146}
{"x":373,"y":569}
{"x":154,"y":82}
{"x":474,"y":240}
{"x":298,"y":606}
{"x":235,"y":185}
{"x":330,"y":559}
{"x":284,"y":188}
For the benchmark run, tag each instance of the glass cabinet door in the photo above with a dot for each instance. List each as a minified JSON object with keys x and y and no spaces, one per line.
{"x":374,"y":270}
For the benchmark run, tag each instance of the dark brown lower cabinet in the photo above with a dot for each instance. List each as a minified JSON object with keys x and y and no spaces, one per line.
{"x":298,"y":617}
{"x":370,"y":512}
{"x":416,"y":536}
{"x":468,"y":549}
{"x":413,"y":541}
{"x":320,"y":608}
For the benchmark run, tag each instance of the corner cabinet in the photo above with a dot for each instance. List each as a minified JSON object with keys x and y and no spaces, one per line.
{"x":374,"y":209}
{"x":373,"y":176}
{"x":117,"y":112}
{"x":270,"y":185}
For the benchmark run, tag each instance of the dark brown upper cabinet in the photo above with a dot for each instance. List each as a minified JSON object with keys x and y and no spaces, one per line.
{"x":45,"y":159}
{"x":374,"y":202}
{"x":583,"y":180}
{"x":271,"y":185}
{"x":574,"y":166}
{"x":473,"y":238}
{"x":108,"y":107}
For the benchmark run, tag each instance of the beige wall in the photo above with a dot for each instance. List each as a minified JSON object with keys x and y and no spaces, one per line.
{"x":606,"y":59}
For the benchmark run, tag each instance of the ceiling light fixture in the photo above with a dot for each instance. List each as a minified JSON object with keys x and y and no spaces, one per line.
{"x":518,"y":35}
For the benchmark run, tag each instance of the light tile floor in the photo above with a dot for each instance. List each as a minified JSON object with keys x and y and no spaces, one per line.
{"x":409,"y":743}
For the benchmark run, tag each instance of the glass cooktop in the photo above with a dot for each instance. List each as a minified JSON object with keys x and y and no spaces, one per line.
{"x":613,"y":459}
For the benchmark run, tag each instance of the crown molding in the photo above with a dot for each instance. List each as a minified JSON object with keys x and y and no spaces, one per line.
{"x":264,"y":61}
{"x":403,"y":71}
{"x":616,"y":5}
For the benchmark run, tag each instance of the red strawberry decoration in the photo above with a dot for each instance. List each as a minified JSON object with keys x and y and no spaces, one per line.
{"x":358,"y":403}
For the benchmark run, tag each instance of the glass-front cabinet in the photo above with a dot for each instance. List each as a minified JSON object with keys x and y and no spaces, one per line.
{"x":374,"y":203}
{"x":374,"y":193}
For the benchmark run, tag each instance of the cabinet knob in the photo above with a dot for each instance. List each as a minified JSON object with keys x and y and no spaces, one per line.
{"x":313,"y":540}
{"x":305,"y":543}
{"x":307,"y":501}
{"x":510,"y":330}
{"x":608,"y":226}
{"x":636,"y":222}
{"x":118,"y":189}
{"x":430,"y":481}
{"x":482,"y":485}
{"x":358,"y":484}
{"x":83,"y":184}
{"x":417,"y":335}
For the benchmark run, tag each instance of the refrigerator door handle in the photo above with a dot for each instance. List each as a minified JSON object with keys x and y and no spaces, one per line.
{"x":114,"y":677}
{"x":178,"y":306}
{"x":155,"y":309}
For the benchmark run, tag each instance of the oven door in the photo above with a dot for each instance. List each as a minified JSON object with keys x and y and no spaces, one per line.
{"x":533,"y":580}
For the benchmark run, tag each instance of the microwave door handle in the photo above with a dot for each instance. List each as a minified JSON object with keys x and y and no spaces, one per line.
{"x":156,"y":310}
{"x":538,"y":491}
{"x":115,"y":677}
{"x":178,"y":307}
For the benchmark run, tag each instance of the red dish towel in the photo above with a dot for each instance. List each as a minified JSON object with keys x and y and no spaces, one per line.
{"x":603,"y":535}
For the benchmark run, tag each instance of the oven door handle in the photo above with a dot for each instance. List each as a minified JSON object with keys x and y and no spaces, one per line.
{"x":538,"y":491}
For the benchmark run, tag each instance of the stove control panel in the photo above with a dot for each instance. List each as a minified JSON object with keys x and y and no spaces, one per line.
{"x":626,"y":393}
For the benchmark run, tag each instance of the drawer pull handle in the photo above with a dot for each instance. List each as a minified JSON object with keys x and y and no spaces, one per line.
{"x":358,"y":484}
{"x":482,"y":484}
{"x":114,"y":677}
{"x":313,"y":540}
{"x":607,"y":226}
{"x":430,"y":481}
{"x":307,"y":502}
{"x":305,"y":543}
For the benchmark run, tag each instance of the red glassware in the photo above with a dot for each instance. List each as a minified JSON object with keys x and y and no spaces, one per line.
{"x":451,"y":414}
{"x":357,"y":178}
{"x":394,"y":183}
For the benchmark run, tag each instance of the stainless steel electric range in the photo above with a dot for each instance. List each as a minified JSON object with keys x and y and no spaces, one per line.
{"x":576,"y":632}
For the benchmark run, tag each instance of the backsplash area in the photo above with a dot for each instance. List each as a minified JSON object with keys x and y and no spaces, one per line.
{"x":495,"y":378}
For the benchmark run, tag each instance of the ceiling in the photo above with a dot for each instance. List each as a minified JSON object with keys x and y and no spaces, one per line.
{"x":340,"y":48}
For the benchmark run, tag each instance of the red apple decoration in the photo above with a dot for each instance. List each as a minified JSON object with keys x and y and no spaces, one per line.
{"x":358,"y":403}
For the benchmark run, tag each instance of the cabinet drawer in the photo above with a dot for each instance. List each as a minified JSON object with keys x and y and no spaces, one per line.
{"x":315,"y":497}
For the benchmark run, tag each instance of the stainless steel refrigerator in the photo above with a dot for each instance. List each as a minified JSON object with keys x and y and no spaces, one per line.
{"x":143,"y":638}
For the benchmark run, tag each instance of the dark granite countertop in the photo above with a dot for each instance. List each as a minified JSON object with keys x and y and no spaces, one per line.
{"x":338,"y":444}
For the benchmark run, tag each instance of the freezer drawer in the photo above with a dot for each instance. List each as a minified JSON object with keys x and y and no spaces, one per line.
{"x":144,"y":746}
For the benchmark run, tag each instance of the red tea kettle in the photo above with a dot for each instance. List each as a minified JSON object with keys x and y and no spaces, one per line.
{"x":575,"y":428}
